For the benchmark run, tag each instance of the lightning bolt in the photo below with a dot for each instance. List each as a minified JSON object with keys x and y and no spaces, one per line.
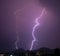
{"x":37,"y":24}
{"x":17,"y":31}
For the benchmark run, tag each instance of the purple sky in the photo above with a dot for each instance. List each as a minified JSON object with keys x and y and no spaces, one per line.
{"x":26,"y":11}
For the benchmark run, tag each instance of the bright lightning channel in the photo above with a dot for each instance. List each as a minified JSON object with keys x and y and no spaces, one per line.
{"x":37,"y":24}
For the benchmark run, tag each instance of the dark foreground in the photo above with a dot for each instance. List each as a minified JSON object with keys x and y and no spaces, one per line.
{"x":40,"y":52}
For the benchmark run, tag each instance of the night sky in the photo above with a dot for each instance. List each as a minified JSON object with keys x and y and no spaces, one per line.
{"x":24,"y":13}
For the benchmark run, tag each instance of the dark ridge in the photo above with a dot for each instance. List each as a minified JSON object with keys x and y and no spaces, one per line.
{"x":41,"y":51}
